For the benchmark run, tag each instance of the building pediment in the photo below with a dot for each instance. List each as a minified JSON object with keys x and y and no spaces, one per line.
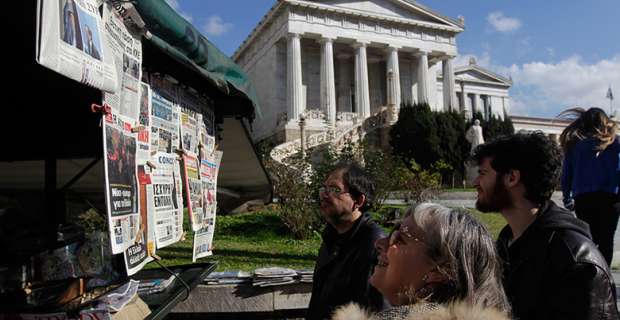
{"x":474,"y":73}
{"x":401,"y":9}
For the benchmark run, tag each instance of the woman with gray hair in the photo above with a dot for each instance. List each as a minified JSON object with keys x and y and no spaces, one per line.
{"x":439,"y":263}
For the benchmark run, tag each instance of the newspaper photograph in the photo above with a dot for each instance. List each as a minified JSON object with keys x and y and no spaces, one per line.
{"x":165,"y":199}
{"x":126,"y":51}
{"x":121,"y":185}
{"x":193,"y":191}
{"x":203,"y":241}
{"x":71,"y":41}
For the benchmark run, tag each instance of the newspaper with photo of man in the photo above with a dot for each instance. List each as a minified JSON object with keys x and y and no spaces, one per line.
{"x":70,"y":40}
{"x":122,"y":191}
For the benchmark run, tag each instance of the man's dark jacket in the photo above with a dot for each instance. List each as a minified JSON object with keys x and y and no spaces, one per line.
{"x":343,"y":267}
{"x":555,"y":271}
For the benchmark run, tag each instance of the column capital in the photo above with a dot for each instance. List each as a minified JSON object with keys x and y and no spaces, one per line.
{"x":447,"y":57}
{"x":293,"y":35}
{"x":392,"y":47}
{"x":421,"y":53}
{"x":360,"y":43}
{"x":324,"y":39}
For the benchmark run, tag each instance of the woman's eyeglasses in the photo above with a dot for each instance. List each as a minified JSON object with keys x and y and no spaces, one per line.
{"x":399,"y":234}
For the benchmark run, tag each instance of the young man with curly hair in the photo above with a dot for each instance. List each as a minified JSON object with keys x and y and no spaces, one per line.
{"x":552,"y":268}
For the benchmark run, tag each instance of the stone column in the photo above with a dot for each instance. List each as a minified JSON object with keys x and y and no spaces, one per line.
{"x":362,"y":93}
{"x":466,"y":110}
{"x":423,"y":77}
{"x":344,"y":83}
{"x":449,"y":93}
{"x":393,"y":78}
{"x":294,"y":94}
{"x":328,"y":82}
{"x":475,"y":107}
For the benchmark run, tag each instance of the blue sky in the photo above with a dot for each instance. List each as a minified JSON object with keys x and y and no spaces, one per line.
{"x":559,"y":53}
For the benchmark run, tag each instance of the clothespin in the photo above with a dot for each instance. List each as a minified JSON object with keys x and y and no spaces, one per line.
{"x":137,"y":129}
{"x":105,"y":109}
{"x":151,"y":165}
{"x":180,"y":152}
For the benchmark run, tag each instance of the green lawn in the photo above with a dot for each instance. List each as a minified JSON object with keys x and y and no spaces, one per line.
{"x":259,"y":239}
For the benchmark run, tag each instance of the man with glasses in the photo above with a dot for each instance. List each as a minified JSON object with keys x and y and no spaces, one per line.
{"x":347,"y":255}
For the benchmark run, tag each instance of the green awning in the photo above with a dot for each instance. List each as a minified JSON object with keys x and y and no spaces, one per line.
{"x":179,"y":38}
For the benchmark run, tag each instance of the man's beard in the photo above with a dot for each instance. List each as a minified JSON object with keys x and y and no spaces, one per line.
{"x":497,"y":200}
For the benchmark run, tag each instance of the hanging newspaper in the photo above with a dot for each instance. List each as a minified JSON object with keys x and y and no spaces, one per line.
{"x":191,"y":111}
{"x":126,"y":50}
{"x":121,"y":185}
{"x":70,"y":41}
{"x":137,"y":255}
{"x":165,"y":117}
{"x":203,"y":241}
{"x":193,"y":191}
{"x":167,"y":201}
{"x":203,"y":238}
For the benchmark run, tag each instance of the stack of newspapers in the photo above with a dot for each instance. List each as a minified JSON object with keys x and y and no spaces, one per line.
{"x":228,"y":277}
{"x":274,"y":276}
{"x":305,"y":276}
{"x":150,"y":286}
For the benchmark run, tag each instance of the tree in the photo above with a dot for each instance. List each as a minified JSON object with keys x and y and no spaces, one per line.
{"x":414,"y":136}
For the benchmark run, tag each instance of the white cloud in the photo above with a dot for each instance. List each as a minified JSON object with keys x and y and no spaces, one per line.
{"x":502,"y":23}
{"x":215,"y":26}
{"x":177,"y":7}
{"x":549,"y":88}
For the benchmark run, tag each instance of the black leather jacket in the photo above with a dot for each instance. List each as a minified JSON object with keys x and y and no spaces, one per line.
{"x":555,"y":271}
{"x":343,"y":268}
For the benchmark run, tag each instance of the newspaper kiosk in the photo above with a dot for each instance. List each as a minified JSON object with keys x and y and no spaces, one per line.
{"x":120,"y":138}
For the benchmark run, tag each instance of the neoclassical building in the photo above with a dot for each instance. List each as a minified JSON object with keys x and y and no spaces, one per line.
{"x":335,"y":63}
{"x":480,"y":90}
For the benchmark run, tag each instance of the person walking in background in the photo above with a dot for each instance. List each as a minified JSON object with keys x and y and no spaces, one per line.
{"x":347,"y":254}
{"x":591,"y":173}
{"x":552,"y":269}
{"x":438,"y":263}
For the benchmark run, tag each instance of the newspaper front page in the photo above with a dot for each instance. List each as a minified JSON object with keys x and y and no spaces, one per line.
{"x":193,"y":191}
{"x":141,"y":252}
{"x":70,"y":41}
{"x":203,"y":238}
{"x":121,"y":184}
{"x":126,"y":50}
{"x":167,"y":203}
{"x":167,"y":197}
